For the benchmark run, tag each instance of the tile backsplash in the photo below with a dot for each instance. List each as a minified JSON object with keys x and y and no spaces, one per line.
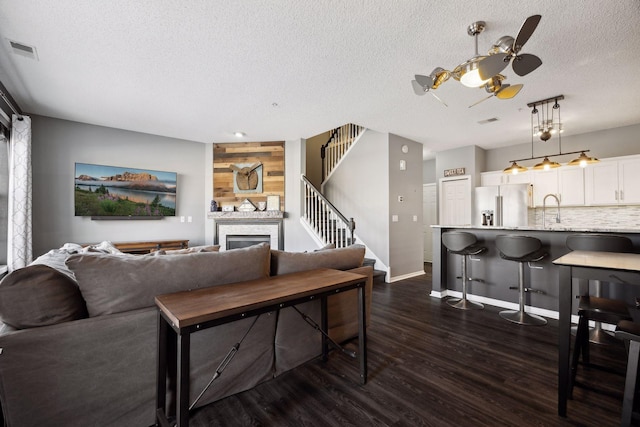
{"x":622,"y":217}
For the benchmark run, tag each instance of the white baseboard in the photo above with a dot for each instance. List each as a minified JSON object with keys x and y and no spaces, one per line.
{"x":406,"y":276}
{"x":551,"y":314}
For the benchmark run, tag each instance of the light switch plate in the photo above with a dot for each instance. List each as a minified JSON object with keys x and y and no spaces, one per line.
{"x":394,"y":218}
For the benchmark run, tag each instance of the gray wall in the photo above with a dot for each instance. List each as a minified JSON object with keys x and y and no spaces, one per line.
{"x":406,"y":243}
{"x":622,"y":141}
{"x":359,"y":188}
{"x":463,"y":157}
{"x":58,"y":144}
{"x":429,"y":171}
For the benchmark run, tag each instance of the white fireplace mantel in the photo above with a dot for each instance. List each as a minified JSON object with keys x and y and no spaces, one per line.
{"x":257,"y":223}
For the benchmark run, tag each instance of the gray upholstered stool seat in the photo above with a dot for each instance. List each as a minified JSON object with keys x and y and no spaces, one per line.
{"x":522,"y":249}
{"x":595,"y":308}
{"x":465,"y":244}
{"x":630,"y":333}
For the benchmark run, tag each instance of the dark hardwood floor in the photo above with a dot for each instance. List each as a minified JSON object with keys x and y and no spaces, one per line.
{"x":433,"y":365}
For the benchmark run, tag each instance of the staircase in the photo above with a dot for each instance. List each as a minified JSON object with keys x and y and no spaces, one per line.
{"x":328,"y":224}
{"x":337,"y":146}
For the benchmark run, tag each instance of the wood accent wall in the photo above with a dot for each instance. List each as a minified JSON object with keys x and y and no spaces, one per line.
{"x":270,"y":154}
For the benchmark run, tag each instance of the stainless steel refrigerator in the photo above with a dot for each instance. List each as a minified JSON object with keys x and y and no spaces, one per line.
{"x":502,"y":205}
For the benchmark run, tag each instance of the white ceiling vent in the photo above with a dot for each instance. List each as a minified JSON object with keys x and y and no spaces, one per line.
{"x":484,"y":122}
{"x":23,"y":50}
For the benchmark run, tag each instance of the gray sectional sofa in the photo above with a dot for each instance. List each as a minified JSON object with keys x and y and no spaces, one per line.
{"x":79,"y":347}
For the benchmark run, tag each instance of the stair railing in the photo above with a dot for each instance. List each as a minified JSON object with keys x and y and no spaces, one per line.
{"x":326,"y":221}
{"x":339,"y":142}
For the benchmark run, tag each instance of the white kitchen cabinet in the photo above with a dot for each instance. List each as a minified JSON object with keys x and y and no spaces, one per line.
{"x":629,"y":181}
{"x":492,"y":178}
{"x":499,"y":178}
{"x":544,"y":182}
{"x":571,"y":185}
{"x":613,"y":182}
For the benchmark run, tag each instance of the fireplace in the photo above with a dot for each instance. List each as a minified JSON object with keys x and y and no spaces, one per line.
{"x":241,"y":229}
{"x":236,"y":241}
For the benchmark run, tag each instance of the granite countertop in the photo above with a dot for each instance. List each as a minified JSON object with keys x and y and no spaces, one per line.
{"x":555,"y":228}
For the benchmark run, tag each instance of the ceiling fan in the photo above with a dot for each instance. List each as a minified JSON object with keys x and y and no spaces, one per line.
{"x":507,"y":49}
{"x":424,"y":84}
{"x":501,"y":91}
{"x":484,"y":70}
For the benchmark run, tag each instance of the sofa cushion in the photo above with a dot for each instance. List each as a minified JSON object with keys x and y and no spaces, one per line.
{"x":113,"y":284}
{"x":339,"y":259}
{"x":38,"y":295}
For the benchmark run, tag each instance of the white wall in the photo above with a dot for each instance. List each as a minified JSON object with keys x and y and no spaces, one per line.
{"x":296,"y":238}
{"x":58,"y":144}
{"x":359,"y":188}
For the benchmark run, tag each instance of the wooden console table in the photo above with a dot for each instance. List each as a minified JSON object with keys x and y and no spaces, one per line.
{"x":183,"y":313}
{"x":151,"y":246}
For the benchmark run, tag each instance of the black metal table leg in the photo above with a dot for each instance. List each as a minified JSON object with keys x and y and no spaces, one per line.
{"x":564,"y":337}
{"x":182,"y":410}
{"x":362,"y":334}
{"x":324,"y":324}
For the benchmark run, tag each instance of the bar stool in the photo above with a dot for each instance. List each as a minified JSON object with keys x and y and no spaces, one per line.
{"x":595,"y":308}
{"x":522,"y":249}
{"x":465,"y":244}
{"x":630,"y":333}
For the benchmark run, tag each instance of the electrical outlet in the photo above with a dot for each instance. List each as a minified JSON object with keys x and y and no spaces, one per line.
{"x":415,"y":218}
{"x":182,"y":219}
{"x":189,"y":219}
{"x":394,"y":218}
{"x":401,"y":198}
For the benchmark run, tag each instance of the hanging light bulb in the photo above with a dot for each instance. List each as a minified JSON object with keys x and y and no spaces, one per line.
{"x":546,"y":164}
{"x":583,"y":160}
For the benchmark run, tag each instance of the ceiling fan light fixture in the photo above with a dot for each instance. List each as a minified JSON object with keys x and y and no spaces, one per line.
{"x":469,"y":75}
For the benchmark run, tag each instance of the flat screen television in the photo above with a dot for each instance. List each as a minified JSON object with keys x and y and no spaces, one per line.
{"x":119,"y":192}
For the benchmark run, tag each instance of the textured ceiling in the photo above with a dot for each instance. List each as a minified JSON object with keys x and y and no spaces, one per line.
{"x":200,"y":70}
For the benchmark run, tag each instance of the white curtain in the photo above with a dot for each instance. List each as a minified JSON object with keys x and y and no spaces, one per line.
{"x":19,"y":252}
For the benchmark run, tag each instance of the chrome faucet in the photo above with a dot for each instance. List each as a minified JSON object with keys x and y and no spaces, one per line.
{"x":544,"y":208}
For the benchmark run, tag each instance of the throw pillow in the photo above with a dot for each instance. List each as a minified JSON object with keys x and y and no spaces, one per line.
{"x":113,"y":284}
{"x":340,"y":259}
{"x":39,"y":295}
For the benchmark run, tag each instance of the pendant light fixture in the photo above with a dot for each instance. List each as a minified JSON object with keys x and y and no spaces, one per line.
{"x":545,"y":125}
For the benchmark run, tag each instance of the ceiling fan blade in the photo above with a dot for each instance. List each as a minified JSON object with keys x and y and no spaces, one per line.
{"x":526,"y":31}
{"x":508,"y":91}
{"x":492,"y":65}
{"x":425,"y":81}
{"x":436,"y":97}
{"x":482,"y":100}
{"x":525,"y":63}
{"x":417,"y":88}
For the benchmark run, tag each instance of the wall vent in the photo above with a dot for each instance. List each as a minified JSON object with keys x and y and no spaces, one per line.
{"x":484,"y":122}
{"x":23,"y":50}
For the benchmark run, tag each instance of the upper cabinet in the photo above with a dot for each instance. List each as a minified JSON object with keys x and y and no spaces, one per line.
{"x":571,"y":185}
{"x":499,"y":177}
{"x":609,"y":182}
{"x":613,"y":182}
{"x":566,"y":183}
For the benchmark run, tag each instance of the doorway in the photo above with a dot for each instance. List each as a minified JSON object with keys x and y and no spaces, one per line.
{"x":455,"y":200}
{"x":430,"y":217}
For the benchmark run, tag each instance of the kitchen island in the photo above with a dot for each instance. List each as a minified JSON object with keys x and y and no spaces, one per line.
{"x":498,"y":275}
